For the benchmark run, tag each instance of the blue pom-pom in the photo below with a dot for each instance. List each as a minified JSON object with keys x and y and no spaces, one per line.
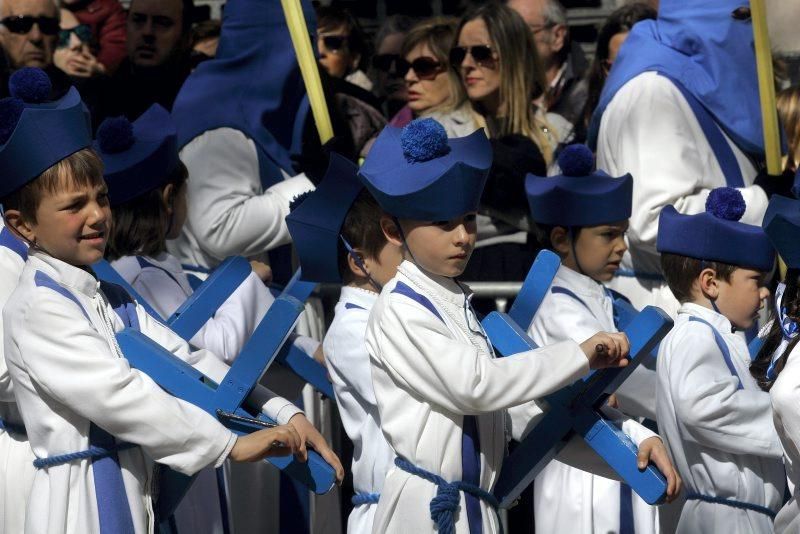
{"x":424,"y":140}
{"x":115,"y":135}
{"x":31,"y":85}
{"x":726,"y":203}
{"x":296,"y":201}
{"x":10,"y":111}
{"x":576,"y":160}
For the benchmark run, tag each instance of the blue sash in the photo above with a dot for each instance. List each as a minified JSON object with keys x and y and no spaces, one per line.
{"x":723,"y":347}
{"x":11,"y":242}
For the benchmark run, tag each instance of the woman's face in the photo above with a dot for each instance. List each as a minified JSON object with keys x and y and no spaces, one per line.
{"x":335,"y":55}
{"x":427,"y":86}
{"x":614,"y":44}
{"x":482,"y":76}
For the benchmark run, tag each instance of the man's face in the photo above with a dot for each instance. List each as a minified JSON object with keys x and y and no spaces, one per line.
{"x":549,"y":38}
{"x":154,"y":31}
{"x":29,"y":42}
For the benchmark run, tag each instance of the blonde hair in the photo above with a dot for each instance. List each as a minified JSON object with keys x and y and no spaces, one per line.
{"x":789,"y":113}
{"x":522,"y":78}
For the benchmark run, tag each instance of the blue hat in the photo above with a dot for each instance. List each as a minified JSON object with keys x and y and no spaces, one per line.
{"x":315,"y":224}
{"x":782,"y":224}
{"x":138,"y":156}
{"x":716,"y":234}
{"x":578,"y":196}
{"x":36,"y":133}
{"x":418,"y":173}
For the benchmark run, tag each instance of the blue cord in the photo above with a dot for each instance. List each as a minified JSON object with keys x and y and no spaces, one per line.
{"x":92,"y":452}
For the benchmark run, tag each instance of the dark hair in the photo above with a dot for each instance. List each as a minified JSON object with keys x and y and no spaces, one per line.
{"x":682,"y":271}
{"x":393,"y":24}
{"x":762,"y":361}
{"x":362,"y":229}
{"x":84,"y":168}
{"x":208,"y":29}
{"x":141,"y":225}
{"x":620,"y":21}
{"x":336,"y":17}
{"x":544,"y":231}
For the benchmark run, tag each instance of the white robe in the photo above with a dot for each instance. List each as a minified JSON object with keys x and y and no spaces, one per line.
{"x":428,"y":373}
{"x":349,"y":368}
{"x":721,"y":439}
{"x":593,"y":506}
{"x":68,"y":372}
{"x":649,"y":131}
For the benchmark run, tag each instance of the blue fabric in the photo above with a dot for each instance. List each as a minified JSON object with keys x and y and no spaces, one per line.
{"x":194,"y":281}
{"x":439,"y":189}
{"x":403,"y":289}
{"x":112,"y":502}
{"x":558,"y":290}
{"x":11,"y":242}
{"x":706,"y":237}
{"x":723,"y":347}
{"x":626,"y":523}
{"x":730,"y":502}
{"x":123,"y":304}
{"x":316,"y":224}
{"x":782,"y":226}
{"x":147,"y":163}
{"x":628,"y":273}
{"x":360,"y":499}
{"x":351,"y":306}
{"x":12,"y":427}
{"x":448,"y":496}
{"x":471,"y":470}
{"x":223,"y":500}
{"x":711,"y":54}
{"x":43,"y":280}
{"x":252,"y":85}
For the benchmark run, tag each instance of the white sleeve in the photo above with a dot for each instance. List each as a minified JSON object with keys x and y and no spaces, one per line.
{"x":562,"y":317}
{"x":229,"y":213}
{"x":713,"y":412}
{"x":278,"y":408}
{"x":417,"y":350}
{"x":347,"y":358}
{"x":650,"y":131}
{"x":785,"y":397}
{"x":10,"y":269}
{"x":72,"y":364}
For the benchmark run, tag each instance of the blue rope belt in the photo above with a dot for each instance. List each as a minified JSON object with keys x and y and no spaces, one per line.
{"x":448,"y":498}
{"x":12,"y":427}
{"x":733,"y":504}
{"x":91,"y":452}
{"x":628,"y":273}
{"x":360,"y":499}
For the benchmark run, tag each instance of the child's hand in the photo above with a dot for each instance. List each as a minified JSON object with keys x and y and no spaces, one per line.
{"x":653,"y":450}
{"x":319,"y":356}
{"x":312,"y":436}
{"x":278,"y":441}
{"x":606,"y":350}
{"x":262,"y":270}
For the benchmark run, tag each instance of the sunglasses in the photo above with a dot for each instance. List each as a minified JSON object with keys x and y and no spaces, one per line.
{"x":426,"y":68}
{"x":384,"y":62}
{"x":23,"y":23}
{"x":482,"y":54}
{"x":335,"y":43}
{"x":81,"y":31}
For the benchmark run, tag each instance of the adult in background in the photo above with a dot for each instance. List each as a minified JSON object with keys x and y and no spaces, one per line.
{"x":106,"y":22}
{"x":205,"y":41}
{"x":74,"y":55}
{"x":390,"y":87}
{"x":341,"y":45}
{"x":564,"y":61}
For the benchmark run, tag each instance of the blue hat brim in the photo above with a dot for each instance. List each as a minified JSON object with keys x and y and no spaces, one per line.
{"x":782,"y":226}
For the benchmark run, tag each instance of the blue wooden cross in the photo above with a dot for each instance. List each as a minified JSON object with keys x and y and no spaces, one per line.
{"x":575,"y":408}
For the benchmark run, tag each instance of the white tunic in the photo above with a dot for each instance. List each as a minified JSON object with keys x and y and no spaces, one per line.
{"x":649,"y":130}
{"x":785,"y":396}
{"x":593,"y":505}
{"x":428,"y":373}
{"x":230,"y":214}
{"x":349,"y":368}
{"x":721,"y":439}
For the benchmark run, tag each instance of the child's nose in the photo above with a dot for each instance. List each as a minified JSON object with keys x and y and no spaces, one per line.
{"x":763,"y":293}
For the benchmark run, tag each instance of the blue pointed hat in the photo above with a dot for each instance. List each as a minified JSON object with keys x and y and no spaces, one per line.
{"x":579,"y":196}
{"x":418,"y":173}
{"x":782,"y":224}
{"x":36,"y":133}
{"x":316,"y":223}
{"x":716,"y":234}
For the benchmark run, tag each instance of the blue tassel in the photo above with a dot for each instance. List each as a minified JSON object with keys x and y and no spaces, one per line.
{"x":424,"y":140}
{"x":115,"y":135}
{"x":10,"y":112}
{"x":576,"y":160}
{"x":726,"y":203}
{"x":31,"y":85}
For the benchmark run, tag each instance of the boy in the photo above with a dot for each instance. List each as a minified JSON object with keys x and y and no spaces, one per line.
{"x":716,"y":422}
{"x":584,"y":215}
{"x":337,"y":232}
{"x":75,"y":390}
{"x":441,"y":394}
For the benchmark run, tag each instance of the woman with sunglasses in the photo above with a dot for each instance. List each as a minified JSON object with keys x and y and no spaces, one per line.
{"x":341,"y":46}
{"x":73,"y":54}
{"x":106,"y":20}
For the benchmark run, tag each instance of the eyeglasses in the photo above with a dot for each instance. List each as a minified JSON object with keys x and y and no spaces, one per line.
{"x":81,"y":31}
{"x":334,"y":43}
{"x":741,"y":13}
{"x":482,"y":54}
{"x":23,"y":23}
{"x":384,"y":62}
{"x":426,"y":68}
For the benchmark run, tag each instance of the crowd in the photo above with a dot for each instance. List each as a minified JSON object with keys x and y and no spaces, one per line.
{"x":462,"y":148}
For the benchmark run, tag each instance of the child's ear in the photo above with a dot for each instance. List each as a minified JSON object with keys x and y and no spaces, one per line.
{"x":561,"y":240}
{"x":353,"y":260}
{"x":708,"y":282}
{"x":168,"y":197}
{"x":19,"y":226}
{"x":390,"y":231}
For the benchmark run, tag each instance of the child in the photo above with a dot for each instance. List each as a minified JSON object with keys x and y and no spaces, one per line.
{"x":776,"y":366}
{"x":715,"y":421}
{"x":337,"y":232}
{"x":75,"y":390}
{"x":584,"y":215}
{"x":441,"y":394}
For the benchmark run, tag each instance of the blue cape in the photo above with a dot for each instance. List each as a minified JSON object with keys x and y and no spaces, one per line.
{"x":252,"y":85}
{"x":699,"y":44}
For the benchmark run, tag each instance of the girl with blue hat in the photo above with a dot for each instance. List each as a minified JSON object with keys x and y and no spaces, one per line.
{"x":441,"y":393}
{"x":715,"y":420}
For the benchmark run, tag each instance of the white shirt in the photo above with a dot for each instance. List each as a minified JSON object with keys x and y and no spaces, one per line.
{"x":649,"y":131}
{"x":230,"y":214}
{"x":349,"y":369}
{"x":785,"y":397}
{"x":721,"y":438}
